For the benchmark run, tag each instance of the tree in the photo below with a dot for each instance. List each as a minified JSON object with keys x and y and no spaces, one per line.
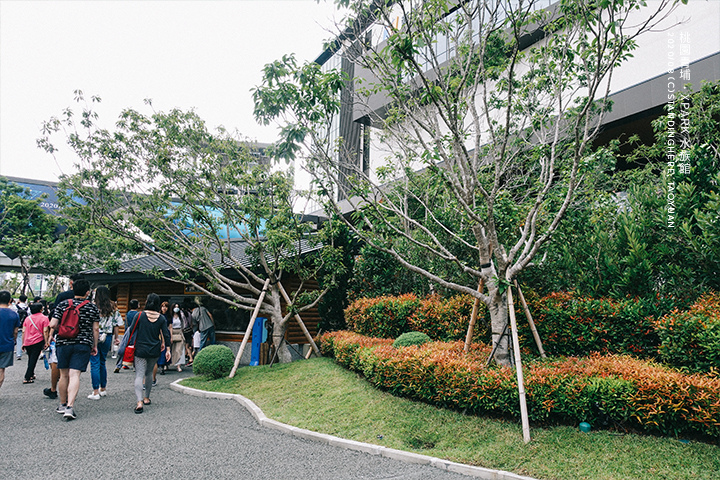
{"x":54,"y":245}
{"x":25,"y":229}
{"x":186,"y":195}
{"x":488,"y":139}
{"x":621,"y":244}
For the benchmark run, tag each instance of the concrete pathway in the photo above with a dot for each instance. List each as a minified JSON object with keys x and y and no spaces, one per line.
{"x":177,"y":437}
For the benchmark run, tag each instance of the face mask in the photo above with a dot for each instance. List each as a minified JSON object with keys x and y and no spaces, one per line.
{"x":176,"y":310}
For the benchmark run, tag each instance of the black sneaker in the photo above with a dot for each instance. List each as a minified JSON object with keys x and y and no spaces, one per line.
{"x":49,"y":393}
{"x":69,"y":414}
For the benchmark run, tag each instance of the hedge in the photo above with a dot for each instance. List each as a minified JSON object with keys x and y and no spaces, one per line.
{"x":438,"y":318}
{"x":690,"y":340}
{"x":605,"y":390}
{"x":569,"y":324}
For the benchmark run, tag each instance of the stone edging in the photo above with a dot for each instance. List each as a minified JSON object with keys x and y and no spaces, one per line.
{"x":409,"y":457}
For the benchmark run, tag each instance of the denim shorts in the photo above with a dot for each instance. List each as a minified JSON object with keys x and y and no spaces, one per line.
{"x":75,"y":357}
{"x":6,"y":359}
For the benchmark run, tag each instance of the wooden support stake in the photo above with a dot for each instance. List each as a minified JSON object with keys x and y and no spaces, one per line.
{"x":300,"y":322}
{"x":248,"y":331}
{"x":518,"y":369}
{"x":535,"y":333}
{"x":473,"y":318}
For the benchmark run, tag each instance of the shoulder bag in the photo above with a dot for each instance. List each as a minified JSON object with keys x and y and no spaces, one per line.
{"x":129,"y":355}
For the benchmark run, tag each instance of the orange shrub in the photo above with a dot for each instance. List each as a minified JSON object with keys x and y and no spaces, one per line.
{"x":605,"y":390}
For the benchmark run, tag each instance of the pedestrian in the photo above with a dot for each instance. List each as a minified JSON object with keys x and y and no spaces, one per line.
{"x":109,"y":325}
{"x":9,"y":326}
{"x":177,"y":321}
{"x":52,"y":358}
{"x":129,"y":317}
{"x":35,"y":338}
{"x":73,"y":354}
{"x":197,"y":339}
{"x":22,"y":310}
{"x":162,"y":363}
{"x":205,"y":324}
{"x":149,"y":326}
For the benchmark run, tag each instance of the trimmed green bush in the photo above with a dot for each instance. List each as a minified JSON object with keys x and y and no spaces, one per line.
{"x":215,"y":361}
{"x":690,"y":340}
{"x":571,"y":324}
{"x":411,"y":338}
{"x":437,"y":317}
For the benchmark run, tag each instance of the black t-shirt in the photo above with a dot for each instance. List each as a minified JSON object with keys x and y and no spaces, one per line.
{"x":89,"y":314}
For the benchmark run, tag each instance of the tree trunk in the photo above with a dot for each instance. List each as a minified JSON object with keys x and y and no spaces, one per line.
{"x":498,"y":308}
{"x":279,"y":327}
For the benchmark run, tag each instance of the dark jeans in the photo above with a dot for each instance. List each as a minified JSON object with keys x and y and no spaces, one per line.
{"x":33,"y":353}
{"x":207,"y":337}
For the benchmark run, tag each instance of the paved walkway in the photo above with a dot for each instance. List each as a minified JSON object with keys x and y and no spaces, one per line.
{"x":178,"y":436}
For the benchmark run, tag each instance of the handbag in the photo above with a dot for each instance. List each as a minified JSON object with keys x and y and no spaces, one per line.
{"x":129,"y":355}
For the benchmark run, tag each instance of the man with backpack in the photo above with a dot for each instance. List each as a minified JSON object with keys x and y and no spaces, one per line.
{"x":51,"y":392}
{"x":76,"y":322}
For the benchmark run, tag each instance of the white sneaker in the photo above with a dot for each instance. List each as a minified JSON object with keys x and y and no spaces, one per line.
{"x":103,"y":393}
{"x":61,"y":409}
{"x":93,"y":396}
{"x":69,"y":414}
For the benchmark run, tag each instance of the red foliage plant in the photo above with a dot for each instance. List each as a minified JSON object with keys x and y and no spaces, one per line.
{"x":606,"y":390}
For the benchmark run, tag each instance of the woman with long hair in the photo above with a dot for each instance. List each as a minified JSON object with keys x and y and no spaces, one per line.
{"x":177,"y":321}
{"x":110,"y":321}
{"x":149,"y":325}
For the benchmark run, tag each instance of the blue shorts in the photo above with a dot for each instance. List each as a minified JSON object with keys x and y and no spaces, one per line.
{"x":75,"y":357}
{"x":6,"y":359}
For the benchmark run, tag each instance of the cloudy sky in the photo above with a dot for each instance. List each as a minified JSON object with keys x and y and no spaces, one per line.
{"x":205,"y":55}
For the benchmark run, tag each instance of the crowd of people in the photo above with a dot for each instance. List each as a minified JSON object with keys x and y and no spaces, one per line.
{"x":159,"y":336}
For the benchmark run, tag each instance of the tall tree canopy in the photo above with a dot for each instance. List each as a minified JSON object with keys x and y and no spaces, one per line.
{"x":487,"y":135}
{"x":202,"y":202}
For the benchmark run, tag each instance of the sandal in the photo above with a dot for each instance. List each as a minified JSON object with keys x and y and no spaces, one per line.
{"x":29,"y":381}
{"x":138,"y":409}
{"x":148,"y":402}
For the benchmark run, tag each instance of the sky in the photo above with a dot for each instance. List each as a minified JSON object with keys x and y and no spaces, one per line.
{"x":204,"y":55}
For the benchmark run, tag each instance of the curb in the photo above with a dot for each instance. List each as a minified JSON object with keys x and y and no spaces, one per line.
{"x":408,"y":457}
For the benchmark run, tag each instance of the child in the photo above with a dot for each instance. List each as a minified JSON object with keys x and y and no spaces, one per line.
{"x":196,"y":342}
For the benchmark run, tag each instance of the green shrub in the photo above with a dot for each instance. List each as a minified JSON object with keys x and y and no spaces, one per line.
{"x":411,"y":338}
{"x":605,"y":390}
{"x":690,"y":340}
{"x":215,"y":361}
{"x":381,"y":317}
{"x":569,"y":324}
{"x":439,"y":318}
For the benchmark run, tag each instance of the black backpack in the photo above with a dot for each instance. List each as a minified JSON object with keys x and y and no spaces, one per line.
{"x":22,"y":312}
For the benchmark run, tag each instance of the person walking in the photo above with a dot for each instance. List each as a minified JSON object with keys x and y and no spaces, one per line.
{"x":162,"y":363}
{"x":205,"y":324}
{"x":51,"y":392}
{"x":109,"y":325}
{"x":73,"y":354}
{"x":177,"y":350}
{"x":148,"y":326}
{"x":35,"y":338}
{"x":9,"y":326}
{"x":129,"y":318}
{"x":22,"y":310}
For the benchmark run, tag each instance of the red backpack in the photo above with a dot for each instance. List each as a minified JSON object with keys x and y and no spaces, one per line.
{"x":70,"y":321}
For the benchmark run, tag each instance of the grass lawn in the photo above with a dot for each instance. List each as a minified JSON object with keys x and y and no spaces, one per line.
{"x":321,"y":396}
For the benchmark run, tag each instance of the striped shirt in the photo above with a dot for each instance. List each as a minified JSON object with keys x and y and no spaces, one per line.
{"x":89,"y":314}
